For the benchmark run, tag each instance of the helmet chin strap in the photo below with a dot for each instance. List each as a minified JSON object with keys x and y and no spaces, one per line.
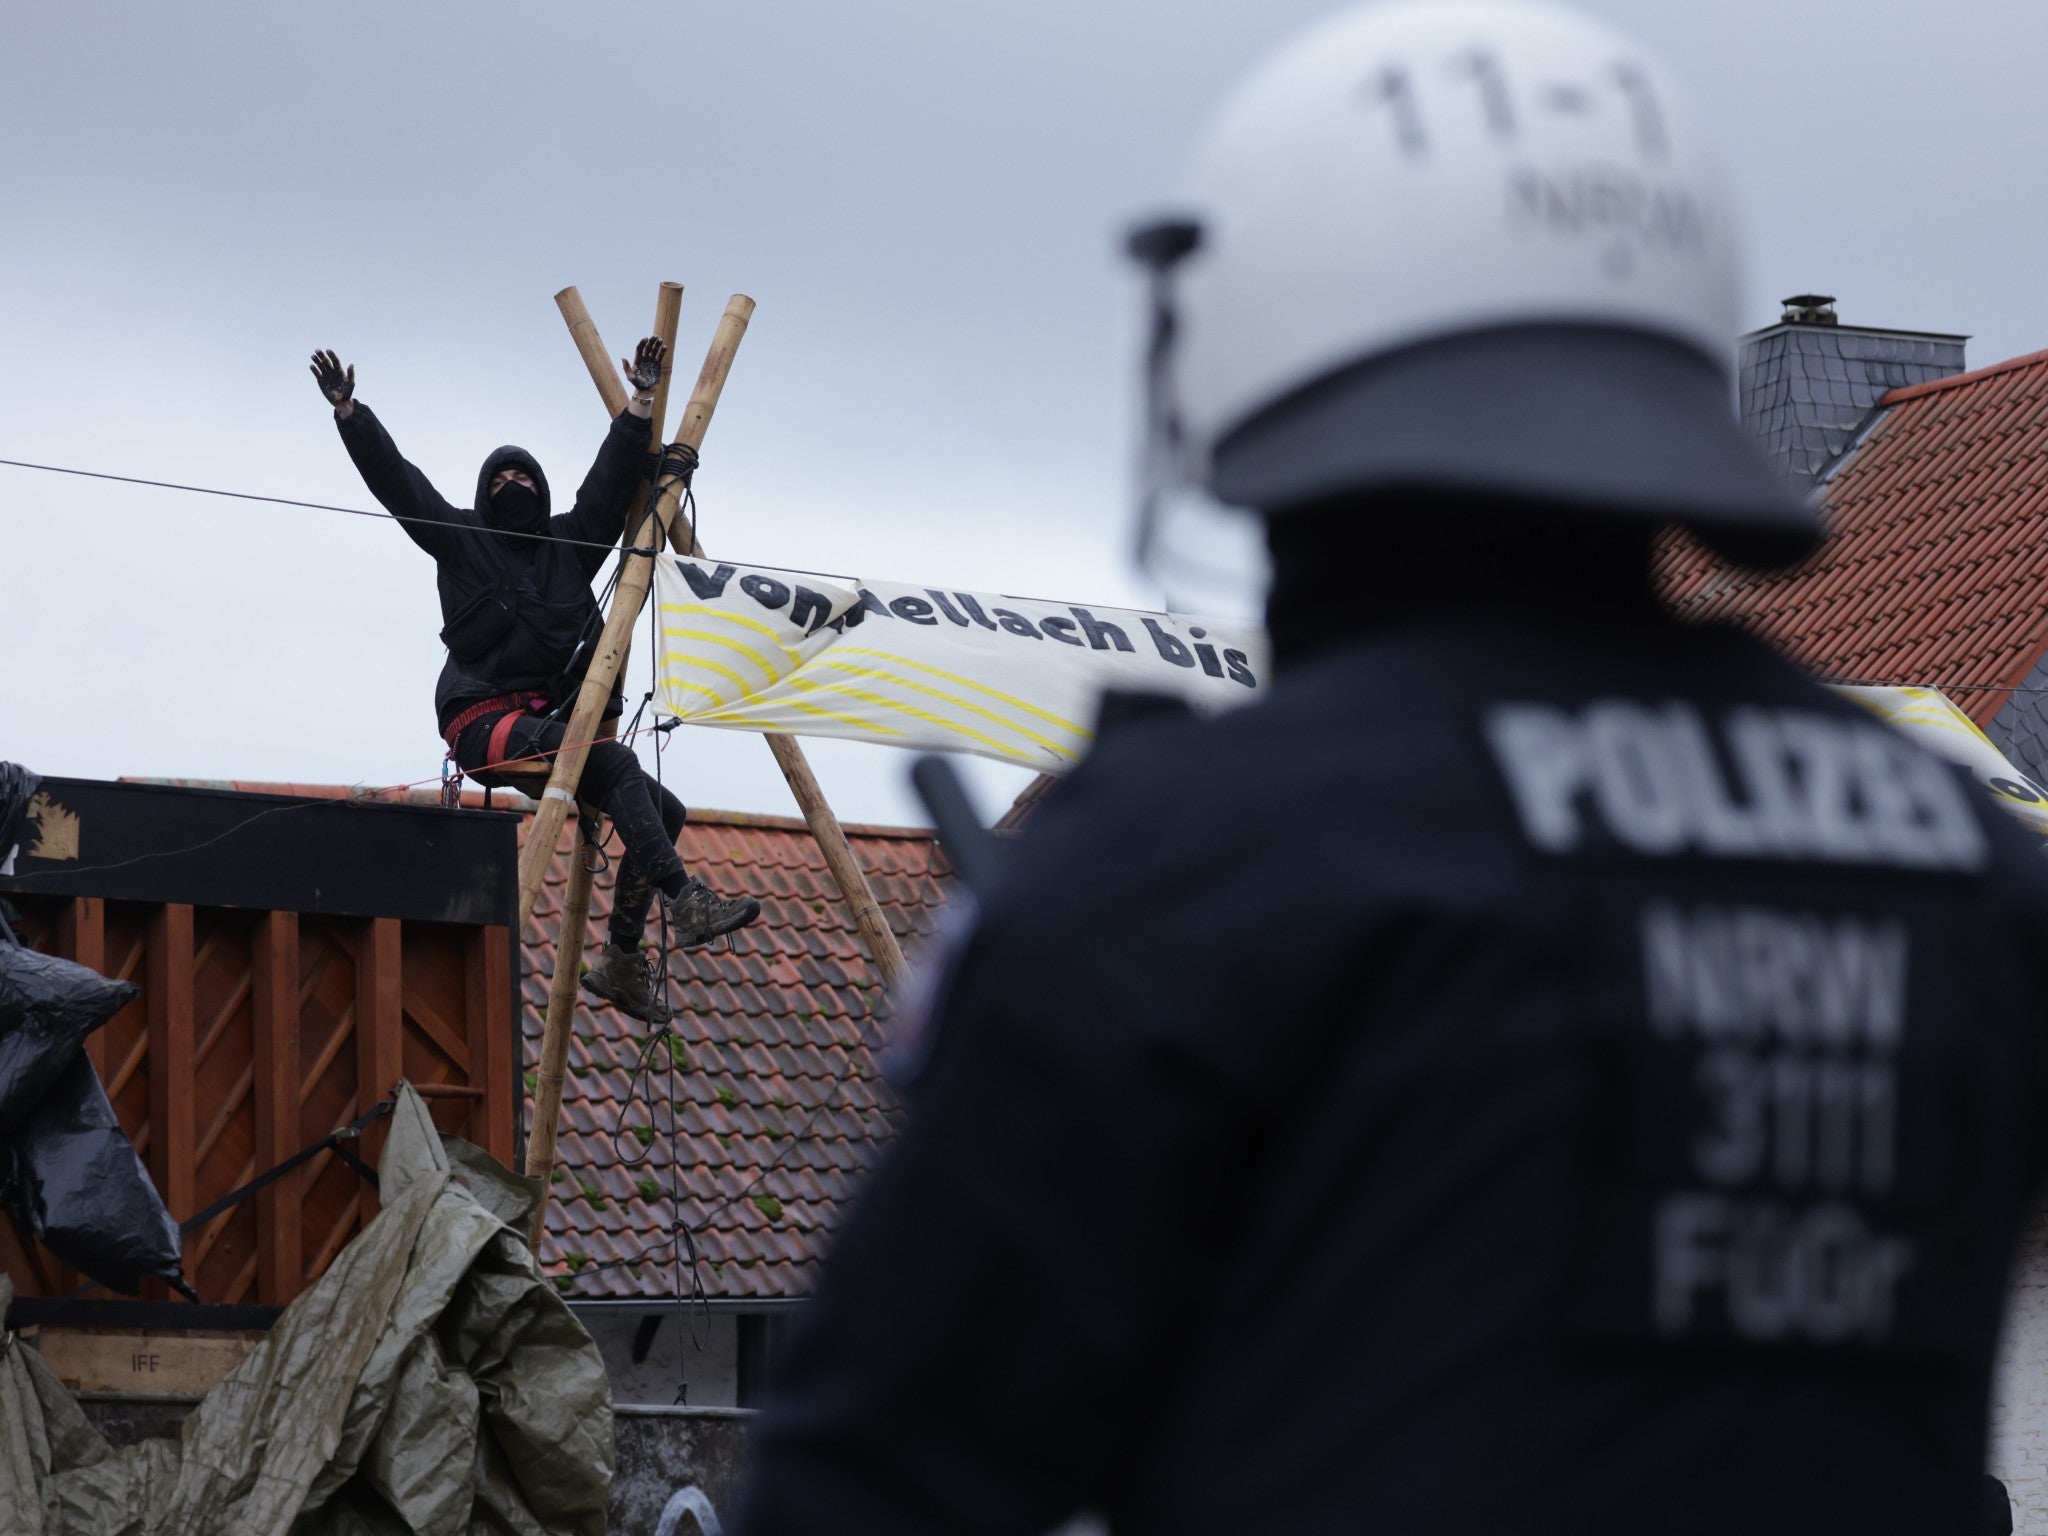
{"x":1159,"y":465}
{"x":1160,"y":247}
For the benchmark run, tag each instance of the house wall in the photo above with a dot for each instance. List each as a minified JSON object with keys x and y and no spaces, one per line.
{"x":2019,"y":1394}
{"x":701,"y":1349}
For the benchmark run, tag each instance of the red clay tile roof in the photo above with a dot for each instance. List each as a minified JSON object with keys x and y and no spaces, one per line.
{"x":1936,"y":570}
{"x":775,"y":1103}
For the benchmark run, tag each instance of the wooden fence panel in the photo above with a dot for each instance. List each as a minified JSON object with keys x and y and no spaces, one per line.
{"x":274,"y":975}
{"x":292,"y":967}
{"x":223,"y":1254}
{"x":258,"y":1033}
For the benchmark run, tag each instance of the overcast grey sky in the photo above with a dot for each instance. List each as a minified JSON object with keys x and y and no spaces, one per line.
{"x":923,"y":196}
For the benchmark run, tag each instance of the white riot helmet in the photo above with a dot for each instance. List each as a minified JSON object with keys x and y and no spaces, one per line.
{"x":1473,"y":245}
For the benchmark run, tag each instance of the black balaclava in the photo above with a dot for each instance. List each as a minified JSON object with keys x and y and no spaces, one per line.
{"x":514,"y":509}
{"x":1343,"y":569}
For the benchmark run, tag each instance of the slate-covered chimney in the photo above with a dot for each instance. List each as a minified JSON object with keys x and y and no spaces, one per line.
{"x":1807,"y":383}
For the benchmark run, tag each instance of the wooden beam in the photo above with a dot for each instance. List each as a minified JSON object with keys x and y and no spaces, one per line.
{"x":554,"y":1045}
{"x":494,"y":1042}
{"x":183,"y":1365}
{"x":35,"y":1272}
{"x":84,"y":939}
{"x":851,"y":879}
{"x":635,"y":572}
{"x":279,"y":1237}
{"x":172,"y":1085}
{"x":81,"y":936}
{"x":571,"y":937}
{"x":380,"y":1031}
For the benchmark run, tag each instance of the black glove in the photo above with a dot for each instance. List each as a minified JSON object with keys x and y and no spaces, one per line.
{"x":336,"y":383}
{"x":644,"y":372}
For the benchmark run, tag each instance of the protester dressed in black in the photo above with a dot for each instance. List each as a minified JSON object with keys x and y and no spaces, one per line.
{"x":520,"y":625}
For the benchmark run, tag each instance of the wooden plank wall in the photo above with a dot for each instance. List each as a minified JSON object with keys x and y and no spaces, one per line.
{"x":258,"y":1033}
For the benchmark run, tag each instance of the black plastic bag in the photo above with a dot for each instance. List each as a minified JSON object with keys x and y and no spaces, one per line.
{"x":78,"y":1185}
{"x":47,"y":1008}
{"x":17,"y":788}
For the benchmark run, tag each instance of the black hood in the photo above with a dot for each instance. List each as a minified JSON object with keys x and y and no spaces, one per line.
{"x":508,"y":457}
{"x":1347,"y":568}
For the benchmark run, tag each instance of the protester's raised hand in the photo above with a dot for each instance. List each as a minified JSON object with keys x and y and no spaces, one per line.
{"x":644,"y":372}
{"x":338,"y":384}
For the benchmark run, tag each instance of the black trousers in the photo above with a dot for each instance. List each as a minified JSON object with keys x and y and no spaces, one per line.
{"x":648,"y":817}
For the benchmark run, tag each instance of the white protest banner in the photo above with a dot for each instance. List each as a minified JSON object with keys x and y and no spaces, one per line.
{"x":1926,"y":715}
{"x":1011,"y":678}
{"x":1020,"y":679}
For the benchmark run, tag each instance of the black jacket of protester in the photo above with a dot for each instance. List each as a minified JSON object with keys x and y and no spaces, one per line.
{"x":521,"y":604}
{"x":1568,"y":1077}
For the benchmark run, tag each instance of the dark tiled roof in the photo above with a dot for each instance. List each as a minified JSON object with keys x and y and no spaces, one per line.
{"x":1805,"y":389}
{"x":770,"y":1104}
{"x":2020,"y":729}
{"x":1936,"y":568}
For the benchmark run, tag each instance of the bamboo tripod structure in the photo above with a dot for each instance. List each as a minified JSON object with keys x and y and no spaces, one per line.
{"x":554,"y":1052}
{"x":654,"y":522}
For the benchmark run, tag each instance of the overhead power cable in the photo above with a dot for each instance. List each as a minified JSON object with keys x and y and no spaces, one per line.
{"x":286,"y":501}
{"x":393,"y":517}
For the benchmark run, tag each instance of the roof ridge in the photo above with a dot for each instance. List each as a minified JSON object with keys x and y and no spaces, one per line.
{"x":1907,"y":392}
{"x":798,"y":824}
{"x":473,"y":799}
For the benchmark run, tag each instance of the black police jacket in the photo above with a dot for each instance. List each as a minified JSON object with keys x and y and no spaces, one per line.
{"x":1508,"y":1080}
{"x":514,"y":609}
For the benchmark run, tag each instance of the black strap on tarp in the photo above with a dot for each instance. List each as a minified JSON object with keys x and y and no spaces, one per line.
{"x":330,"y":1142}
{"x":26,"y":1310}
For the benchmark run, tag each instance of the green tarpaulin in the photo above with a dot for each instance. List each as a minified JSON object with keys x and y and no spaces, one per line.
{"x":431,"y":1382}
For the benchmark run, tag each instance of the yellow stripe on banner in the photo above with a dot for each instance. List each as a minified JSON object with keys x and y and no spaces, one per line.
{"x":736,"y":618}
{"x":768,"y":668}
{"x":710,"y":693}
{"x":1026,"y":732}
{"x":906,"y":709}
{"x":967,"y":682}
{"x":1924,"y":706}
{"x":866,"y":727}
{"x":684,"y":658}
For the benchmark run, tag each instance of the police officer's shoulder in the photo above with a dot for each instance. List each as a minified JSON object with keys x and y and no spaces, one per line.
{"x":1127,"y":709}
{"x":1318,"y":781}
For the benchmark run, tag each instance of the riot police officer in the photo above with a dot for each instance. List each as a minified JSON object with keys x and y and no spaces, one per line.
{"x":1545,"y":1067}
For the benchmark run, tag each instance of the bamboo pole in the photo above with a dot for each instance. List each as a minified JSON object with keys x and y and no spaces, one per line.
{"x":573,"y":935}
{"x":846,"y":872}
{"x":635,"y":572}
{"x":554,"y":1045}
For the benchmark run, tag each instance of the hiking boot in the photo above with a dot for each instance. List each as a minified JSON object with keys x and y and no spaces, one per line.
{"x":700,"y":914}
{"x":625,"y":979}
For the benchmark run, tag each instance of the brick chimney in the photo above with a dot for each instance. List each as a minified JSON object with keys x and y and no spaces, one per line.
{"x":1806,"y":384}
